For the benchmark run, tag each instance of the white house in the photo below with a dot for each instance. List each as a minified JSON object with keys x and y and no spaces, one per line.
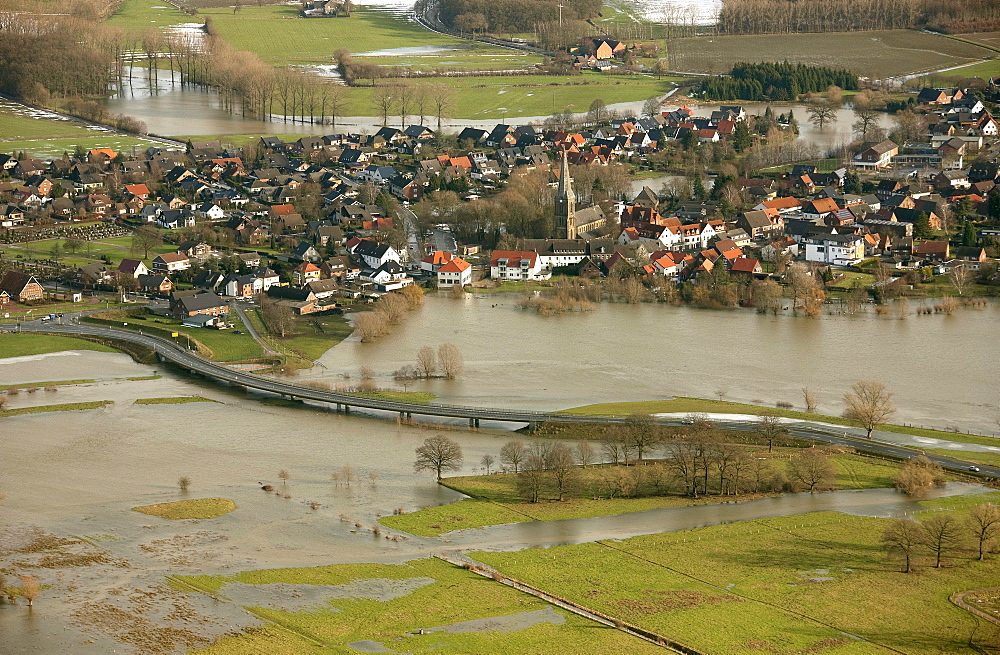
{"x":387,"y":277}
{"x":517,"y":265}
{"x":455,"y":272}
{"x":170,"y":261}
{"x":373,"y":253}
{"x":839,"y":249}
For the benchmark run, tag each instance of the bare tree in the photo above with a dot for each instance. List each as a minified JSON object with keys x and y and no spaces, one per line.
{"x":487,"y":461}
{"x":641,"y":434}
{"x":531,"y":479}
{"x":905,"y":537}
{"x":512,"y":454}
{"x":346,"y":474}
{"x":426,"y":361}
{"x":960,"y":277}
{"x":184,"y":483}
{"x":438,"y":454}
{"x":145,"y":240}
{"x":984,"y":521}
{"x":30,"y":588}
{"x":284,"y":476}
{"x":810,"y":400}
{"x":278,"y":317}
{"x":442,"y":96}
{"x":918,"y":475}
{"x":942,"y":533}
{"x":771,"y":429}
{"x":370,"y":325}
{"x":584,"y":453}
{"x":812,"y":469}
{"x":869,"y":403}
{"x":821,"y":112}
{"x":563,"y":469}
{"x":451,"y":360}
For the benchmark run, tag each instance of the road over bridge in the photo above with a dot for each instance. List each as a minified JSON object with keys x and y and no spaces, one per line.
{"x":168,"y":351}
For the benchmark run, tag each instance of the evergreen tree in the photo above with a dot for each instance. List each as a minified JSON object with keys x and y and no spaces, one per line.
{"x":741,"y":136}
{"x":922,"y":228}
{"x":698,"y":189}
{"x":993,"y":206}
{"x":969,"y":237}
{"x":852,"y":182}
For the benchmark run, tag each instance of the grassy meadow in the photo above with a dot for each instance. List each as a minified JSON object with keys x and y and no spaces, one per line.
{"x":196,"y":508}
{"x":432,"y":596}
{"x":816,"y":583}
{"x":23,"y":343}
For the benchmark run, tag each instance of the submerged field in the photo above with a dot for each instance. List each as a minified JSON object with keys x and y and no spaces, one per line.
{"x":423,"y":606}
{"x":876,"y":55}
{"x":41,"y":135}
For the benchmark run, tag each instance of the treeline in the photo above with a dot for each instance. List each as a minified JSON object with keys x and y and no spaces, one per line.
{"x":776,"y":81}
{"x":512,"y":15}
{"x":783,"y":16}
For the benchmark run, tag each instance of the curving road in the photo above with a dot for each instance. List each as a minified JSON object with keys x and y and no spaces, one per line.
{"x":168,"y":351}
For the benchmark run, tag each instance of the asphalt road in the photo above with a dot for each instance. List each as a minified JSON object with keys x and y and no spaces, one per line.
{"x":168,"y":351}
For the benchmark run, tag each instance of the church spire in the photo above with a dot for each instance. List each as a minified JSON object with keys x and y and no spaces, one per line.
{"x":565,"y":202}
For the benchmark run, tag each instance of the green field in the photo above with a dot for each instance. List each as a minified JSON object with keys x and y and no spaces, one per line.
{"x":419,"y":595}
{"x":21,"y":344}
{"x":280,"y":36}
{"x":813,"y":583}
{"x":115,"y":249}
{"x":495,"y":499}
{"x":196,"y":508}
{"x":877,"y":54}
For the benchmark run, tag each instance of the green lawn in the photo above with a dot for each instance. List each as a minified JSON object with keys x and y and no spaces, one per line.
{"x":438,"y":594}
{"x":197,"y":508}
{"x":787,"y":585}
{"x":144,"y":14}
{"x":23,"y":343}
{"x":115,"y":249}
{"x":495,"y":498}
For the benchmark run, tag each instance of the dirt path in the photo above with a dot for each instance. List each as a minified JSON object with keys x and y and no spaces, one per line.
{"x":958,"y":598}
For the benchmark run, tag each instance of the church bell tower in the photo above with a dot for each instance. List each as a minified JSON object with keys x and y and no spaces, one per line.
{"x":565,"y":203}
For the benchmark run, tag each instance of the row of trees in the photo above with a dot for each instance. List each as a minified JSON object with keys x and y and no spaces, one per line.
{"x":390,"y":310}
{"x":506,"y":16}
{"x":776,"y":81}
{"x":447,"y":360}
{"x":943,"y":534}
{"x":29,"y":589}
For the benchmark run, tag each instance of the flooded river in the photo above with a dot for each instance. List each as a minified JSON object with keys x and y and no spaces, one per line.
{"x":517,"y":358}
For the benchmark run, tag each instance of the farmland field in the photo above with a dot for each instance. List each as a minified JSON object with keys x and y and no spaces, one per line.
{"x":816,"y":583}
{"x":144,"y":14}
{"x":871,"y":54}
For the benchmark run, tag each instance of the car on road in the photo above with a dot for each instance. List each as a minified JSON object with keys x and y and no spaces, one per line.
{"x":974,"y":469}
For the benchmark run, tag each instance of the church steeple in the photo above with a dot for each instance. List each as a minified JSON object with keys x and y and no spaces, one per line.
{"x":565,"y":203}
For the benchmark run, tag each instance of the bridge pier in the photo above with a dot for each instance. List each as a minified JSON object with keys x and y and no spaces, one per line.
{"x":473,"y":422}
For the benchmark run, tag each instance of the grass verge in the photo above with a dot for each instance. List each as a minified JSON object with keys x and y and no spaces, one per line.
{"x":54,"y":383}
{"x":198,"y":508}
{"x":64,"y":407}
{"x":174,"y":400}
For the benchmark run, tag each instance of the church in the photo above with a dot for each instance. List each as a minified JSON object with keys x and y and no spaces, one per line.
{"x":571,"y":223}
